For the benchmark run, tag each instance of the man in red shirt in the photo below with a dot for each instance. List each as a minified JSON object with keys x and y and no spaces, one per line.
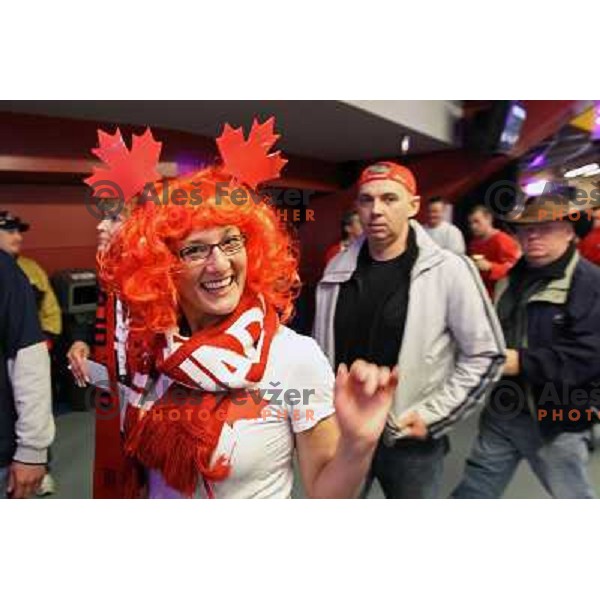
{"x":589,"y":246}
{"x":493,"y":251}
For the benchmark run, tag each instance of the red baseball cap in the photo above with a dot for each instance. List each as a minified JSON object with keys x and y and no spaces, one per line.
{"x":391,"y":171}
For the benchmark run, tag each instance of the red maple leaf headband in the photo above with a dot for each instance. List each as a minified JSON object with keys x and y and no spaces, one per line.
{"x":246,"y":161}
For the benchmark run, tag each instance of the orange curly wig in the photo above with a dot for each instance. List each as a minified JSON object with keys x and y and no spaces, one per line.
{"x":140,"y":264}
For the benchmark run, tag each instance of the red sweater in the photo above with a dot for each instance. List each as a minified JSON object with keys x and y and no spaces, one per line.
{"x":333,"y":251}
{"x":502,"y":251}
{"x":589,"y":246}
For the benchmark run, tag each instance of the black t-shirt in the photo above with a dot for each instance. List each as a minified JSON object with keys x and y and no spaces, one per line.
{"x":19,"y":328}
{"x":371,"y":308}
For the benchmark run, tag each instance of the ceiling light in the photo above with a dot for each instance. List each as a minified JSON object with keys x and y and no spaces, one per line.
{"x":405,"y":144}
{"x":584,"y":171}
{"x":535,"y":188}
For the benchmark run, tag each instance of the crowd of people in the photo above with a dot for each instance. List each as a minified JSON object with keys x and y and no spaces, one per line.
{"x":413,"y":330}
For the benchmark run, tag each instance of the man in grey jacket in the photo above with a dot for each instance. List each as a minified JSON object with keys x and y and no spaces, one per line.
{"x":397,"y":298}
{"x":26,"y":423}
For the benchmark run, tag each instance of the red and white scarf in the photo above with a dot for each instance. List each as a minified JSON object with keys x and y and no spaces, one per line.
{"x":173,"y":422}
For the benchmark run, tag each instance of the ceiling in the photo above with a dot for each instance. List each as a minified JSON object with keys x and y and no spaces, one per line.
{"x":329,"y":130}
{"x":574,"y":145}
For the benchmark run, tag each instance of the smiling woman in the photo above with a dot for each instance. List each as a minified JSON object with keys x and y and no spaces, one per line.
{"x":208,"y":288}
{"x":164,"y":272}
{"x":212,"y":284}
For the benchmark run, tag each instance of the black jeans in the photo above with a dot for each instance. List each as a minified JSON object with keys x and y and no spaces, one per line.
{"x":409,"y":469}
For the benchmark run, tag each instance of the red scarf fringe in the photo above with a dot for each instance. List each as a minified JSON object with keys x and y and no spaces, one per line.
{"x":178,"y":438}
{"x":174,"y":440}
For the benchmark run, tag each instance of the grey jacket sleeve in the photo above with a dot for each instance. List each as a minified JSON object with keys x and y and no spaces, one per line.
{"x":480,"y":348}
{"x":29,"y":372}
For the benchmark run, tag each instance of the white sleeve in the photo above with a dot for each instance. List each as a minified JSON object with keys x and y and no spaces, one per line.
{"x":29,"y":373}
{"x":457,"y":241}
{"x":310,"y":392}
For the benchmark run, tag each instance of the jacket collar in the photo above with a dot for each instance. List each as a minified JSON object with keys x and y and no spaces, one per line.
{"x":556,"y":291}
{"x":342,"y":267}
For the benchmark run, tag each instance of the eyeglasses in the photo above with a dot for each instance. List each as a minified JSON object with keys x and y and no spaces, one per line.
{"x":195,"y":253}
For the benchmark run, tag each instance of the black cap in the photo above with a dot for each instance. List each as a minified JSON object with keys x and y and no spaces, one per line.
{"x":8,"y":221}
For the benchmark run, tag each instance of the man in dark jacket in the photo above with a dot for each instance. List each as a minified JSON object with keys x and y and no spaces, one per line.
{"x":544,"y":407}
{"x":26,"y":423}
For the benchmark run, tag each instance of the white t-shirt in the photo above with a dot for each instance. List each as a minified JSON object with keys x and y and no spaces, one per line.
{"x":447,"y":236}
{"x":298,"y":385}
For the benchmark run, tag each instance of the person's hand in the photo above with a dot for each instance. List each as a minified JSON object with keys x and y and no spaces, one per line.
{"x":77,"y":356}
{"x":511,"y":366}
{"x":413,"y":425}
{"x":482,"y":264}
{"x":363,"y":398}
{"x":24,"y":480}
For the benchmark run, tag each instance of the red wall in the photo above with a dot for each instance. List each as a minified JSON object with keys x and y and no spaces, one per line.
{"x":315,"y":237}
{"x":50,"y":137}
{"x":63,"y":233}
